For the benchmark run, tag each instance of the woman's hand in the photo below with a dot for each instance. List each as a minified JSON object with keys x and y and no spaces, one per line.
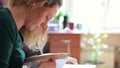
{"x":50,"y":63}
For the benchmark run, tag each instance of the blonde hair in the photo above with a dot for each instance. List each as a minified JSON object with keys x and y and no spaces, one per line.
{"x":36,"y":38}
{"x":49,"y":3}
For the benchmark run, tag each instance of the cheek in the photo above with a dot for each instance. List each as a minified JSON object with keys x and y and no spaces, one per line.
{"x":35,"y":20}
{"x":40,"y":19}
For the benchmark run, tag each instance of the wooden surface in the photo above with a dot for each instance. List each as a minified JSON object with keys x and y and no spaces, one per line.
{"x":59,"y":43}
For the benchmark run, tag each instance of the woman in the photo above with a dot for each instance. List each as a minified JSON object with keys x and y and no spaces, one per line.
{"x":28,"y":14}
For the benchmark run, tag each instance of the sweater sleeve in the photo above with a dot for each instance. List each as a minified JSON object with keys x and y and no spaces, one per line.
{"x":6,"y":44}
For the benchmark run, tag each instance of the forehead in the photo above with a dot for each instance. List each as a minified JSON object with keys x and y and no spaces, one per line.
{"x":51,"y":10}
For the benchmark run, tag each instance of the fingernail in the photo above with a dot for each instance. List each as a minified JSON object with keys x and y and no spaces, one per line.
{"x":50,"y":60}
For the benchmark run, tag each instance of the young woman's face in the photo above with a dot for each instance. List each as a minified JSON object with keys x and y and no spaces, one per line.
{"x":39,"y":17}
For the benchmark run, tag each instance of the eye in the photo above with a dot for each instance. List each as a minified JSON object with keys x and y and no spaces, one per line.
{"x":48,"y":18}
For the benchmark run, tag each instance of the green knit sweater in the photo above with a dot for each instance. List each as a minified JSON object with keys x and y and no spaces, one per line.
{"x":11,"y":52}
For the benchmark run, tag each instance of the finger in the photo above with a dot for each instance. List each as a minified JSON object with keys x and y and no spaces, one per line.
{"x":51,"y":60}
{"x":47,"y":64}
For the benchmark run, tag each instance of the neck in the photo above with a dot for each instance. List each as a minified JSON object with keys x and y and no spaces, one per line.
{"x":19,"y":14}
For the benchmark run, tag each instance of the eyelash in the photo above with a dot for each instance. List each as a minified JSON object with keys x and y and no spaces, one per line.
{"x":48,"y":18}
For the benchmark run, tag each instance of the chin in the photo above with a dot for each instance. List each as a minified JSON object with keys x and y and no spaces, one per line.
{"x":29,"y":28}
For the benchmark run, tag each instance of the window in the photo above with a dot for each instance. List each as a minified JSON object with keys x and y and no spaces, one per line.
{"x":95,"y":15}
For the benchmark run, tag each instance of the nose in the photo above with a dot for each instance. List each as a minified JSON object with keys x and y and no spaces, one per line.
{"x":44,"y":26}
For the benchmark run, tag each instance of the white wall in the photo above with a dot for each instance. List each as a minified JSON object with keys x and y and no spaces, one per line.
{"x":95,"y":13}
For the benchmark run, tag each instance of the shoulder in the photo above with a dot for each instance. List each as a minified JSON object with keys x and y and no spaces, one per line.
{"x":5,"y":15}
{"x":7,"y":23}
{"x":6,"y":19}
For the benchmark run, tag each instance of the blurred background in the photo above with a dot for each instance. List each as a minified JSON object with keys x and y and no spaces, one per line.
{"x":98,"y":23}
